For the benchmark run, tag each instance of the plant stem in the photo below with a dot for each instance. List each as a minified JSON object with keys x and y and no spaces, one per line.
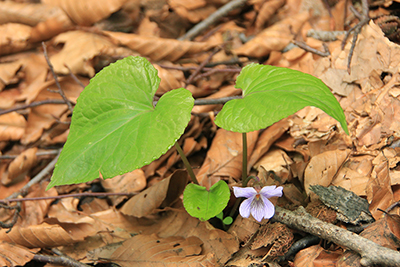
{"x":186,"y":162}
{"x":244,"y":163}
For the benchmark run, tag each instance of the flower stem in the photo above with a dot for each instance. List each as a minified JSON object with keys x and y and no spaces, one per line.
{"x":186,"y":162}
{"x":244,"y":162}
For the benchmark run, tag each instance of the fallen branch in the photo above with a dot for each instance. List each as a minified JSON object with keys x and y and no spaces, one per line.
{"x":371,"y":253}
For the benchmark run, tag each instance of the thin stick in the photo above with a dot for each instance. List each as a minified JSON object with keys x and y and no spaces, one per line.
{"x":244,"y":161}
{"x":85,"y":194}
{"x":37,"y":178}
{"x":33,"y":104}
{"x":38,"y":154}
{"x":186,"y":162}
{"x":60,"y":91}
{"x":201,"y":66}
{"x":308,"y":48}
{"x":59,"y":260}
{"x":213,"y":18}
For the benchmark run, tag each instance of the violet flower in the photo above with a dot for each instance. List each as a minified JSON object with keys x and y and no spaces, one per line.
{"x":257,"y":202}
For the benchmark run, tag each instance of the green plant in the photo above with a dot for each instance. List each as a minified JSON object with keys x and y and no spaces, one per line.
{"x":115,"y":127}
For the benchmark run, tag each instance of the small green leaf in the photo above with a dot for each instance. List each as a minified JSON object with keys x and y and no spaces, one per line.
{"x":271,"y":94}
{"x":228,"y":220}
{"x":115,"y":127}
{"x":205,"y":204}
{"x":220,"y":215}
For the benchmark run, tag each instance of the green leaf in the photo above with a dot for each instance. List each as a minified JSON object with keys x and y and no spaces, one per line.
{"x":271,"y":94}
{"x":228,"y":220}
{"x":205,"y":204}
{"x":115,"y":127}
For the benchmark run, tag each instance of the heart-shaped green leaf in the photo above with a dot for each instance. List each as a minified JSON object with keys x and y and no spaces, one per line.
{"x":115,"y":127}
{"x":273,"y":93}
{"x":205,"y":204}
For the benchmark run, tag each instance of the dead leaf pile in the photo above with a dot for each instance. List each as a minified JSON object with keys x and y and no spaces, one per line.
{"x":150,"y":226}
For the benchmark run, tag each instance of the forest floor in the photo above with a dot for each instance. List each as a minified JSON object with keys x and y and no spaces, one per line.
{"x":137,"y":218}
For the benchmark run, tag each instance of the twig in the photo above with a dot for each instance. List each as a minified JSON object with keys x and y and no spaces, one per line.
{"x":201,"y":66}
{"x":38,"y":154}
{"x":37,"y":178}
{"x":308,"y":48}
{"x":60,"y":91}
{"x":211,"y":72}
{"x":84,"y":194}
{"x":371,"y":253}
{"x":325,"y":36}
{"x":356,"y":29}
{"x":222,"y":100}
{"x":14,"y":219}
{"x":213,"y":18}
{"x":74,"y":77}
{"x":32,"y":105}
{"x":62,"y":260}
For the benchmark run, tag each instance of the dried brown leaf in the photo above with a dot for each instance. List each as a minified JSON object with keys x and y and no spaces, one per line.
{"x":159,"y":195}
{"x":131,"y":182}
{"x":38,"y":236}
{"x":44,"y":116}
{"x":12,"y":254}
{"x":12,"y":126}
{"x":151,"y":249}
{"x":78,"y":11}
{"x":79,"y":49}
{"x":158,"y":48}
{"x":14,"y":38}
{"x":34,"y":212}
{"x":20,"y":166}
{"x":323,"y":167}
{"x":170,"y":79}
{"x":278,"y":161}
{"x":274,"y":38}
{"x":379,"y":191}
{"x":266,"y":139}
{"x":8,"y":72}
{"x":180,"y":223}
{"x":267,"y":11}
{"x":47,"y":21}
{"x":224,"y":158}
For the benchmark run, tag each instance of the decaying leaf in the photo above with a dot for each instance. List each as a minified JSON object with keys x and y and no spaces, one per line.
{"x":274,"y":38}
{"x":323,"y":167}
{"x":159,"y":195}
{"x":12,"y":126}
{"x":14,"y":38}
{"x":79,"y":49}
{"x":38,"y":236}
{"x":224,"y":158}
{"x":158,"y":48}
{"x":19,"y":166}
{"x":13,"y":255}
{"x":145,"y":249}
{"x":86,"y":13}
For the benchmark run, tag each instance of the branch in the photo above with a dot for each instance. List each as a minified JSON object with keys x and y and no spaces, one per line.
{"x":214,"y":17}
{"x":371,"y":253}
{"x":60,"y":91}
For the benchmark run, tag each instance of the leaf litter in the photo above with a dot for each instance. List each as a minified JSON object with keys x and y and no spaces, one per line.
{"x":308,"y":148}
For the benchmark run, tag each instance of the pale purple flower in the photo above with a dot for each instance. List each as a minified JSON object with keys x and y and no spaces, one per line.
{"x":257,"y":203}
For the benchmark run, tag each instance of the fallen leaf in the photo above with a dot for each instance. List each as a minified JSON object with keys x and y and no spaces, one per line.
{"x":159,"y":195}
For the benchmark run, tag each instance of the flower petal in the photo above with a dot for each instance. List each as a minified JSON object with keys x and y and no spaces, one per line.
{"x":258,"y":209}
{"x":269,"y":208}
{"x":245,"y":207}
{"x":246,"y":192}
{"x":271,"y":191}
